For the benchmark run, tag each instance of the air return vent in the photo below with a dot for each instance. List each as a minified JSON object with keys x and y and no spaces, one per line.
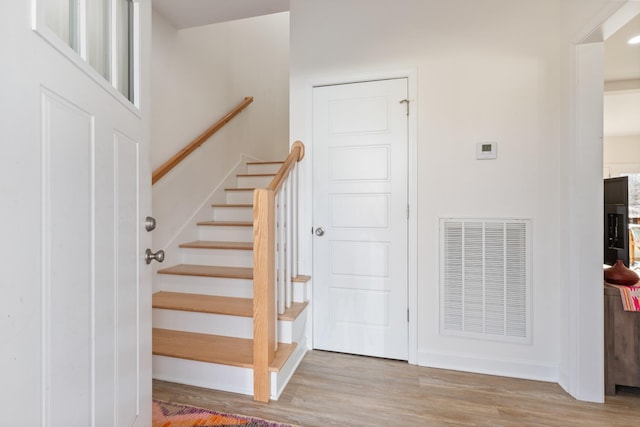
{"x":485,"y":272}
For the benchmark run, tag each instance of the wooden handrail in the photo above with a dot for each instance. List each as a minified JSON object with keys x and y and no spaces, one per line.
{"x":264,"y":275}
{"x":166,"y":167}
{"x":295,"y":155}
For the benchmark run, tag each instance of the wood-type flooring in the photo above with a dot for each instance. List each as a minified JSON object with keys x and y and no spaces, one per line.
{"x":331,"y":389}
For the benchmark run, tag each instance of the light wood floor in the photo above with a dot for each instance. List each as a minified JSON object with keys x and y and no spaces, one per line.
{"x":332,"y":389}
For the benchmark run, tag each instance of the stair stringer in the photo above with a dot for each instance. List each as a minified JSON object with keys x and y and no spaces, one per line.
{"x":279,"y":380}
{"x":187,"y":232}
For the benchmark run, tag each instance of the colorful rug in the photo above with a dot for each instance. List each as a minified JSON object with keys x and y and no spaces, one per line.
{"x":167,"y":414}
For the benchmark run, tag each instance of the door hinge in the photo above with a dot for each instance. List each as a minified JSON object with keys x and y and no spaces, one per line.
{"x":407,"y":211}
{"x":406,"y":101}
{"x":407,"y":314}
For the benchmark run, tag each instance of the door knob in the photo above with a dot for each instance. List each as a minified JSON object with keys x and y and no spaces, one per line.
{"x":150,"y":256}
{"x":319,"y":231}
{"x":149,"y":223}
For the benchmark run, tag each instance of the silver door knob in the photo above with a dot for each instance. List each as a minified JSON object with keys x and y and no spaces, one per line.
{"x":149,"y":223}
{"x":150,"y":256}
{"x":319,"y":231}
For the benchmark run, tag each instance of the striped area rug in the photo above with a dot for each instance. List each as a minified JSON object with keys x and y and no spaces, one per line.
{"x":168,"y":414}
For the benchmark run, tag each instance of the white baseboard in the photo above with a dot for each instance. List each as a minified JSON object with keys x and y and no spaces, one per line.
{"x":563,"y":379}
{"x":499,"y":367}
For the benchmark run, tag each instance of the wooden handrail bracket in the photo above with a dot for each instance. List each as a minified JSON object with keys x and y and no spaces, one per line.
{"x":167,"y":166}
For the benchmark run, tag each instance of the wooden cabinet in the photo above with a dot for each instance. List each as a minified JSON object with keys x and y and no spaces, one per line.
{"x":621,"y":343}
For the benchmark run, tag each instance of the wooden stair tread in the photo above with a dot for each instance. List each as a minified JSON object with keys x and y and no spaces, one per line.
{"x":209,"y":244}
{"x":230,"y":306}
{"x":232,"y":205}
{"x":248,"y":175}
{"x":239,"y":189}
{"x":266,"y":163}
{"x":213,"y":349}
{"x":293,"y":312}
{"x":213,"y":304}
{"x":209,"y":271}
{"x":301,"y":279}
{"x":227,"y":223}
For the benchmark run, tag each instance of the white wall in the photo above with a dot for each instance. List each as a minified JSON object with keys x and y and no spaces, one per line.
{"x":199,"y":74}
{"x":495,"y":70}
{"x":621,"y":155}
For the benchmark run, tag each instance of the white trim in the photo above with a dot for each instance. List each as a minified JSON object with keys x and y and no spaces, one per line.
{"x":113,"y":45}
{"x":280,"y":379}
{"x":501,"y":367}
{"x":610,"y":21}
{"x":583,"y":364}
{"x":412,"y":199}
{"x":411,"y":74}
{"x":585,"y":353}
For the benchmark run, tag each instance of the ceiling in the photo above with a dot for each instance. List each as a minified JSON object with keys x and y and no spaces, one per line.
{"x":622,"y":61}
{"x":194,"y":13}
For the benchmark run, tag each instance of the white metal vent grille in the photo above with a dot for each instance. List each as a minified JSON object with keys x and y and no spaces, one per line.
{"x":485,"y":278}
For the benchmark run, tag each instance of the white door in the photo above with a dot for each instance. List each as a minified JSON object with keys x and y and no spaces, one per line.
{"x":360,"y":144}
{"x":74,"y":191}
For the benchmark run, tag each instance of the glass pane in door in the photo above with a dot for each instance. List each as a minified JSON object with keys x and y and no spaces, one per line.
{"x":98,"y":41}
{"x":60,"y":16}
{"x":124,"y":47}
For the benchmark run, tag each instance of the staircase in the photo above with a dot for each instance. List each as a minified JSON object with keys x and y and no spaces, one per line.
{"x":203,"y":308}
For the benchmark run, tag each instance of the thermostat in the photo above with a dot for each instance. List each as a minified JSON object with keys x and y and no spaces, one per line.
{"x":486,"y":150}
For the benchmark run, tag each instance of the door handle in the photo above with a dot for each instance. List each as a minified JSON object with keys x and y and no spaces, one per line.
{"x":319,"y":231}
{"x":149,"y":223}
{"x":150,"y":256}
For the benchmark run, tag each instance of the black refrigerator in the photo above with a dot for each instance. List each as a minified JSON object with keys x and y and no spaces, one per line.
{"x":616,"y":220}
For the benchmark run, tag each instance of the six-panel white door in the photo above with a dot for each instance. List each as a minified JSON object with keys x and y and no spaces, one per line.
{"x":75,"y":187}
{"x":360,"y":144}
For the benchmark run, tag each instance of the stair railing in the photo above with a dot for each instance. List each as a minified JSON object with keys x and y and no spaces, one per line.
{"x":275,"y":259}
{"x":174,"y":161}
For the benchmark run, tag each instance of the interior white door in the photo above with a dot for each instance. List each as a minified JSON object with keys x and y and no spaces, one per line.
{"x":360,"y":146}
{"x":75,"y":295}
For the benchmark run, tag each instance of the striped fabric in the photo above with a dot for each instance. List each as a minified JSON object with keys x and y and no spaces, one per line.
{"x":630,"y":296}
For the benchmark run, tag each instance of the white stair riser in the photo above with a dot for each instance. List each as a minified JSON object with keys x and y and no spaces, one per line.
{"x":219,"y":257}
{"x":240,"y":288}
{"x":225,"y":233}
{"x":239,"y":197}
{"x":201,"y":374}
{"x":232,"y":213}
{"x":254,"y":181}
{"x":220,"y":286}
{"x":203,"y":323}
{"x":292,"y":331}
{"x":263,"y":168}
{"x":222,"y":377}
{"x":300,"y":292}
{"x":220,"y":324}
